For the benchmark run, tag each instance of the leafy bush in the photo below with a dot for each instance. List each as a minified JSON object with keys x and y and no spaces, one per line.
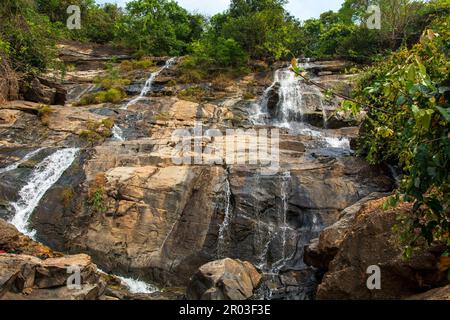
{"x":43,"y":114}
{"x":97,"y":194}
{"x":249,"y":95}
{"x":211,"y":57}
{"x":407,"y":98}
{"x":113,"y":95}
{"x":142,"y":64}
{"x":27,"y":37}
{"x":194,"y":94}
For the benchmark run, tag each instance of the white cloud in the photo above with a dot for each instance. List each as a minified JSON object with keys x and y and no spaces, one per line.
{"x":302,"y":9}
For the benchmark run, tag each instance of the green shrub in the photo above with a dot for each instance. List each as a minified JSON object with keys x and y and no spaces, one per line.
{"x":141,"y":64}
{"x":43,"y":114}
{"x":249,"y":95}
{"x":407,"y":98}
{"x":108,"y":123}
{"x":194,"y":94}
{"x":97,"y":194}
{"x":67,"y":195}
{"x":113,"y":95}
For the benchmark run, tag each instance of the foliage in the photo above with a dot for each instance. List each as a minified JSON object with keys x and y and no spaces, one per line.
{"x":344,"y":33}
{"x":248,"y":95}
{"x":142,"y":64}
{"x":43,"y":113}
{"x":159,"y":27}
{"x":407,"y":97}
{"x":27,"y":37}
{"x":97,"y":194}
{"x":194,"y":94}
{"x":97,"y":131}
{"x":67,"y":196}
{"x":112,"y":95}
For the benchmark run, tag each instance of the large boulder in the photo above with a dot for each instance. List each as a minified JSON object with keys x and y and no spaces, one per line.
{"x":41,"y":90}
{"x":370,"y":242}
{"x":32,"y":271}
{"x":225,"y":279}
{"x":321,"y":251}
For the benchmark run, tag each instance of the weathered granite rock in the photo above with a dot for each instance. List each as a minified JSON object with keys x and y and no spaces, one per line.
{"x":369,"y":242}
{"x":224,"y":280}
{"x":23,"y":275}
{"x":323,"y":250}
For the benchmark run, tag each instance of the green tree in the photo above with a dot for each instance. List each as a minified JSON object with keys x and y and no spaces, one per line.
{"x":158,"y":27}
{"x":27,"y":36}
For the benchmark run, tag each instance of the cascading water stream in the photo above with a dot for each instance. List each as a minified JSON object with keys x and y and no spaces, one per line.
{"x":286,"y":178}
{"x":134,"y":285}
{"x":15,"y":165}
{"x":290,"y":91}
{"x":42,"y":178}
{"x":149,"y":83}
{"x":117,"y":133}
{"x":224,"y":227}
{"x":137,"y":286}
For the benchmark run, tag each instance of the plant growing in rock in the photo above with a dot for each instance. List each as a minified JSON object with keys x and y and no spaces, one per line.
{"x":44,"y":113}
{"x":67,"y":196}
{"x":97,"y":194}
{"x":97,"y":131}
{"x":194,"y":94}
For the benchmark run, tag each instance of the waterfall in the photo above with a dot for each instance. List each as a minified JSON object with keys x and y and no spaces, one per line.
{"x":42,"y":178}
{"x":282,"y":221}
{"x":133,"y":285}
{"x":117,"y":133}
{"x":88,"y":89}
{"x":137,"y":286}
{"x":149,"y":83}
{"x":290,"y":99}
{"x":224,"y":227}
{"x":261,"y":113}
{"x":290,"y":95}
{"x":15,"y":165}
{"x":281,"y":230}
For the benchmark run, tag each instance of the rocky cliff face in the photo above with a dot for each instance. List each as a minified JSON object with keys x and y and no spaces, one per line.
{"x":123,"y":201}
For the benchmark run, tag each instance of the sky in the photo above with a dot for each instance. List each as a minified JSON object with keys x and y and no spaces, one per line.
{"x":302,"y":9}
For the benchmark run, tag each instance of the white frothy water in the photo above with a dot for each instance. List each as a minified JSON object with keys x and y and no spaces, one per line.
{"x":340,"y":143}
{"x":224,"y":227}
{"x":137,"y":286}
{"x":117,"y":133}
{"x":290,"y":95}
{"x":290,"y":99}
{"x":43,"y":176}
{"x":149,"y":83}
{"x":15,"y":165}
{"x":332,"y":142}
{"x":260,"y":109}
